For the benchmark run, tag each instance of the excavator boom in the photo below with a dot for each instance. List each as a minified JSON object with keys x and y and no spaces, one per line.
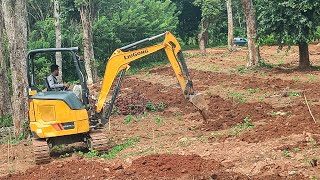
{"x":119,"y":63}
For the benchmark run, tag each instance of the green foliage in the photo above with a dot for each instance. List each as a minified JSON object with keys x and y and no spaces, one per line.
{"x":286,"y":153}
{"x":6,"y":121}
{"x":158,"y":120}
{"x":247,"y":124}
{"x":136,"y":20}
{"x":115,"y":150}
{"x":296,"y":150}
{"x":211,"y":8}
{"x":242,"y":70}
{"x":295,"y":94}
{"x":65,"y":155}
{"x":128,"y":119}
{"x":312,"y":78}
{"x":289,"y":20}
{"x":150,"y":106}
{"x":253,"y":91}
{"x":236,"y":96}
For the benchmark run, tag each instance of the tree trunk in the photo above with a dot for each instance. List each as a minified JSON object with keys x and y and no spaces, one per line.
{"x":249,"y":13}
{"x":87,"y":42}
{"x":304,"y":61}
{"x":230,"y":26}
{"x":203,"y":35}
{"x":5,"y":105}
{"x":15,"y":13}
{"x":58,"y":37}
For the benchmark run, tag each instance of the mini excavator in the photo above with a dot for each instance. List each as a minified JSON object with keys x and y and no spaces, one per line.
{"x":61,"y":117}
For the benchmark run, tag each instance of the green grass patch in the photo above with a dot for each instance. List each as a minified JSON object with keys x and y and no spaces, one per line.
{"x":236,"y":130}
{"x":295,"y":94}
{"x":153,"y":107}
{"x":286,"y":153}
{"x":312,"y":78}
{"x":237,"y":96}
{"x":113,"y":152}
{"x":159,"y":120}
{"x":6,"y":121}
{"x":128,"y":119}
{"x":253,"y":91}
{"x":246,"y":124}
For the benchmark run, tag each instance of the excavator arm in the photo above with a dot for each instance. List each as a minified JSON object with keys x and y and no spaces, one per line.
{"x":119,"y":63}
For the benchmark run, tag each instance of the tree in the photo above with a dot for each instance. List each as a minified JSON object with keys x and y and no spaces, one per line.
{"x":230,"y":25}
{"x":15,"y":13}
{"x":291,"y":21}
{"x":87,"y":16}
{"x":210,"y":10}
{"x":189,"y":20}
{"x":249,"y":13}
{"x":151,"y":17}
{"x":5,"y":105}
{"x":58,"y":36}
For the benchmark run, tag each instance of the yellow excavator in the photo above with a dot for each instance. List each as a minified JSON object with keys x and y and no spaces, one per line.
{"x":61,"y":117}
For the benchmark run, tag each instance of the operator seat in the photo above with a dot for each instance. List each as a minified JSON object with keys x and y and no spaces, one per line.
{"x":46,"y":84}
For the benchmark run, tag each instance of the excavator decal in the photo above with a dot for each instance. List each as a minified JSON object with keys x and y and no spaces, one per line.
{"x":136,"y":54}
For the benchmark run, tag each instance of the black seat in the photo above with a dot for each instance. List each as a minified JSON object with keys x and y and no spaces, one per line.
{"x":46,"y":84}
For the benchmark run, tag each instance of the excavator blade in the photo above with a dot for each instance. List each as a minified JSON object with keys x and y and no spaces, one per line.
{"x":199,"y":101}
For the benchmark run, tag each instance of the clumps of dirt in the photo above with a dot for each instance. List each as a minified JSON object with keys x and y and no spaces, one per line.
{"x":224,"y":114}
{"x":72,"y":169}
{"x":132,"y":103}
{"x":167,"y":166}
{"x":298,"y":121}
{"x":158,"y":93}
{"x":163,"y":166}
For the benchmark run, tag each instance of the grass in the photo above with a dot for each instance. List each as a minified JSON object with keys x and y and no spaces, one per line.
{"x":128,"y":119}
{"x":296,"y":80}
{"x":242,"y":70}
{"x":113,"y":152}
{"x":12,"y":139}
{"x":236,"y":130}
{"x":214,"y":68}
{"x":153,"y":107}
{"x":253,"y":91}
{"x":236,"y":96}
{"x":295,"y":94}
{"x":6,"y":121}
{"x":159,"y":121}
{"x":286,"y":153}
{"x":312,"y":78}
{"x":296,"y":150}
{"x":246,"y":124}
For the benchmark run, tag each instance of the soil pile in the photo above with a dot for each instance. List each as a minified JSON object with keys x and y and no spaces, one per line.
{"x":149,"y":167}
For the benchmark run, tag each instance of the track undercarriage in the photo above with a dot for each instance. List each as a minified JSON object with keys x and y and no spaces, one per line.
{"x":94,"y":140}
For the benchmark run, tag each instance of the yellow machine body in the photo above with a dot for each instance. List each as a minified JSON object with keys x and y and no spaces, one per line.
{"x":53,"y":118}
{"x":47,"y":117}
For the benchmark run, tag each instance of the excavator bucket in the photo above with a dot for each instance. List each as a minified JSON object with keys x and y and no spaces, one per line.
{"x":199,"y":101}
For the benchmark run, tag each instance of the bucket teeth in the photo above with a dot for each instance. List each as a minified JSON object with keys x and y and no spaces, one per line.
{"x":198,"y":100}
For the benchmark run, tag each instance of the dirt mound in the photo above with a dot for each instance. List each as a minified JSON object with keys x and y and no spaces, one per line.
{"x":224,"y":114}
{"x":149,"y":167}
{"x":131,"y":103}
{"x":177,"y":166}
{"x":297,"y":122}
{"x":157,"y":93}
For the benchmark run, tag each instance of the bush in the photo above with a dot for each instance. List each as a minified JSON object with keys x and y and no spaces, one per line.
{"x":6,"y":121}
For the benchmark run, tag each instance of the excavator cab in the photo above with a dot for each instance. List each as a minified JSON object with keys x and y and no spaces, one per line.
{"x":60,"y":117}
